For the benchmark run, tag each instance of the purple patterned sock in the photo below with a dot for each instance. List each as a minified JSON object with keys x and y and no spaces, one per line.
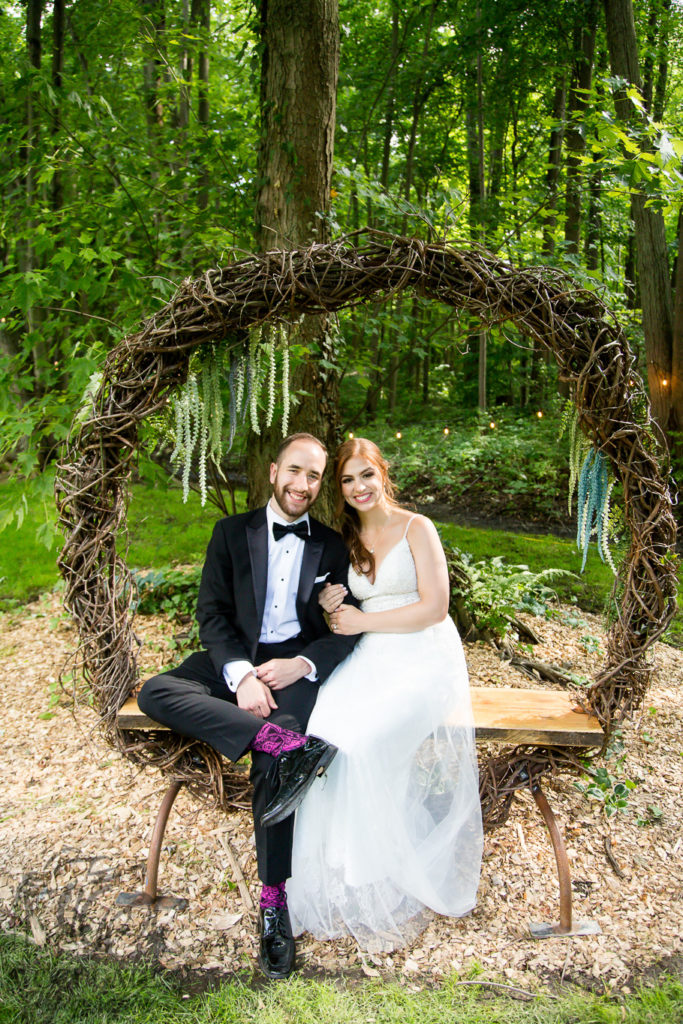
{"x":273,"y":896}
{"x":274,"y":740}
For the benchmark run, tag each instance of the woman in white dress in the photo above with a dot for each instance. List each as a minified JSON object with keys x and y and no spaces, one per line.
{"x":394,"y":826}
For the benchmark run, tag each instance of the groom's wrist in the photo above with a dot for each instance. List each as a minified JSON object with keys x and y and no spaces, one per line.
{"x":309,"y":670}
{"x":235,"y":672}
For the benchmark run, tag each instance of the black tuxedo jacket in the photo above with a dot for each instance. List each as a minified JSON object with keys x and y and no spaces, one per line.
{"x":232,"y":593}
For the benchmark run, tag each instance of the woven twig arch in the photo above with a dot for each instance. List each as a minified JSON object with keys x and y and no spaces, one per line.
{"x":593,"y":356}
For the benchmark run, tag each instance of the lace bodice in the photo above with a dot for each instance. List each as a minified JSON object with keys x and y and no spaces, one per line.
{"x":395,"y":581}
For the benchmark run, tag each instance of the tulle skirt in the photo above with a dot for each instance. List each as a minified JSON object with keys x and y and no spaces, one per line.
{"x":393,"y":829}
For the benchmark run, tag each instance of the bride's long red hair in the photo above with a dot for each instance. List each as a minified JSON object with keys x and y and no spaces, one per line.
{"x":360,"y":447}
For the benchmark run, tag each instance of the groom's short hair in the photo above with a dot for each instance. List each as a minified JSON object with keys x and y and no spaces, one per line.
{"x":298,"y":437}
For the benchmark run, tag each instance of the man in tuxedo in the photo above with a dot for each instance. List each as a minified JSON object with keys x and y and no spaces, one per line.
{"x":267,"y":649}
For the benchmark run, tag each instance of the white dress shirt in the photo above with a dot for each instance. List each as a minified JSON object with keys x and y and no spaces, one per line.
{"x":280,"y":621}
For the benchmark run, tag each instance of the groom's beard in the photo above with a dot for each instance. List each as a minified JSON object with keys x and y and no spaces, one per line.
{"x":290,"y":507}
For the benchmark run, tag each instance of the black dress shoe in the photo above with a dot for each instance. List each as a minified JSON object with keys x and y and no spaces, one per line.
{"x":296,"y":770}
{"x":276,"y":943}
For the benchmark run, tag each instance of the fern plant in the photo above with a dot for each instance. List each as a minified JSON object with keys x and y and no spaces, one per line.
{"x":493,"y":591}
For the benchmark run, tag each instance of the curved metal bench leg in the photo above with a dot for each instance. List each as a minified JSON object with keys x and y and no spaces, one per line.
{"x":566,"y":925}
{"x":149,"y":897}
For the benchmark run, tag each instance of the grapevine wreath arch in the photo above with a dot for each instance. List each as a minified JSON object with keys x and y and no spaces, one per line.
{"x":220,"y":308}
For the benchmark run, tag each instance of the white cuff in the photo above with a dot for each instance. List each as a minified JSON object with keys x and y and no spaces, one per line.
{"x":313,"y":674}
{"x":234,"y":672}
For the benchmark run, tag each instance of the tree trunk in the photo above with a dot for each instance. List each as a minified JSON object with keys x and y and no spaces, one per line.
{"x":594,"y":220}
{"x":419,"y":99}
{"x":185,"y":71}
{"x":584,"y":48}
{"x":153,"y":72}
{"x":662,"y":61}
{"x":300,"y":59}
{"x":593,"y":248}
{"x":675,"y":423}
{"x":389,"y":110}
{"x":27,"y":257}
{"x":393,"y":382}
{"x":651,"y":249}
{"x":202,"y":18}
{"x":477,"y":183}
{"x":552,"y":174}
{"x":57,"y":72}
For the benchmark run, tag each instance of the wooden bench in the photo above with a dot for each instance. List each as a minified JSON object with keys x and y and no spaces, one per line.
{"x":501,"y":715}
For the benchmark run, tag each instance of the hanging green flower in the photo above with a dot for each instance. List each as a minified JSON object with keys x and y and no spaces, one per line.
{"x":198,"y":413}
{"x":594,"y":491}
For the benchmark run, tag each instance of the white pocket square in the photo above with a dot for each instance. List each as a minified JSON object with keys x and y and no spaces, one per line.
{"x":321,"y":579}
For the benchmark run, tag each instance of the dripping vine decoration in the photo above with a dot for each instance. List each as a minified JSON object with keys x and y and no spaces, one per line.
{"x":225,"y":308}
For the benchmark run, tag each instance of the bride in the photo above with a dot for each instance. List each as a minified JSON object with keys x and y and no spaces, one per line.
{"x":394,"y":826}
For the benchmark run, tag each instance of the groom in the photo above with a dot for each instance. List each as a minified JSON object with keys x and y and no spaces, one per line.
{"x":268,"y":648}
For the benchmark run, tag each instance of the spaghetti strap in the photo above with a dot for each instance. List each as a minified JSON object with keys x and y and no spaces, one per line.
{"x":405,"y":532}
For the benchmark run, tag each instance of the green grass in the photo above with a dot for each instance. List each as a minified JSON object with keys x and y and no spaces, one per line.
{"x":590,"y":589}
{"x":165,"y":531}
{"x":41,"y":987}
{"x":162,"y":531}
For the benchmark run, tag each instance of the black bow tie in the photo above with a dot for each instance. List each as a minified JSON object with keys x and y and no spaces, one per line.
{"x":299,"y":529}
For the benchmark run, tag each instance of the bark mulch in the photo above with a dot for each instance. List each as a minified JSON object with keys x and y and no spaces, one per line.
{"x":76,"y":818}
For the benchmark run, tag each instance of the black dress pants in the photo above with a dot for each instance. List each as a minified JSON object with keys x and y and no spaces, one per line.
{"x":194,"y":701}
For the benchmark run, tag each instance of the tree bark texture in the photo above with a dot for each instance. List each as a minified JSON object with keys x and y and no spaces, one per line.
{"x":477,"y":182}
{"x":584,"y":48}
{"x":298,"y":106}
{"x":651,"y":250}
{"x":676,"y":414}
{"x":154,"y":23}
{"x":552,"y":174}
{"x":300,"y":61}
{"x":57,"y":73}
{"x":389,"y":110}
{"x":201,"y":10}
{"x":27,"y":258}
{"x":420,"y":95}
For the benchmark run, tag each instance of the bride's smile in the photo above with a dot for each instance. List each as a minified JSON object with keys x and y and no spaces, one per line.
{"x":361,"y":485}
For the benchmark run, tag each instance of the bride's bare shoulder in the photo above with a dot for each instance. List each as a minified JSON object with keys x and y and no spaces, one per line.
{"x":417,"y":525}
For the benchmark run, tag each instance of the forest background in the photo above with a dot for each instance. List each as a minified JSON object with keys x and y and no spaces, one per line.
{"x":133,"y":149}
{"x":135,"y":142}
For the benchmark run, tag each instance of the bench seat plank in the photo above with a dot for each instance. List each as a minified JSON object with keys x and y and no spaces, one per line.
{"x":502,"y":714}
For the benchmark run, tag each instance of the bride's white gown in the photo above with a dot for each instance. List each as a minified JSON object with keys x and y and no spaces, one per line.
{"x":394,"y":826}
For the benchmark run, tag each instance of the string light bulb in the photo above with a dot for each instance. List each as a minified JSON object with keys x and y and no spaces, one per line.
{"x":665,"y":382}
{"x":492,"y":425}
{"x":399,"y":435}
{"x":539,"y":414}
{"x":446,"y":431}
{"x":350,"y":435}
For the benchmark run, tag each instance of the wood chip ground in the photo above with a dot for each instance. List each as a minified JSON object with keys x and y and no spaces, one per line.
{"x":76,"y":818}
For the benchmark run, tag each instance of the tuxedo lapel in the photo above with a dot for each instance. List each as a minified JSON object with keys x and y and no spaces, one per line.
{"x":313,"y":552}
{"x":257,"y":543}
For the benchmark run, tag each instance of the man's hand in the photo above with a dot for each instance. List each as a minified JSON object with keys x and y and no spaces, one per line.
{"x":280,"y":672}
{"x":253,"y":695}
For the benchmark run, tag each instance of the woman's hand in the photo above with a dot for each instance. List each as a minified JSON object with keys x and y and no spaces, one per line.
{"x":347,"y":620}
{"x":332,"y":596}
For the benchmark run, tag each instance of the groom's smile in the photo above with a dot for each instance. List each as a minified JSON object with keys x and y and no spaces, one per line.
{"x":296,"y":478}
